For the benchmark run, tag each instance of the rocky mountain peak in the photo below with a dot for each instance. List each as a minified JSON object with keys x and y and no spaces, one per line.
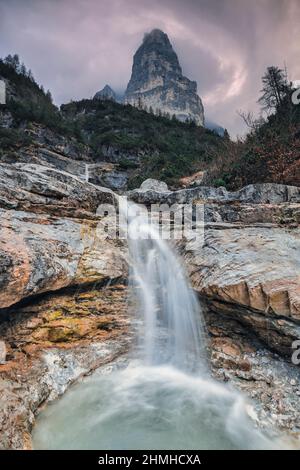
{"x":161,"y":44}
{"x":107,"y":93}
{"x":157,"y":80}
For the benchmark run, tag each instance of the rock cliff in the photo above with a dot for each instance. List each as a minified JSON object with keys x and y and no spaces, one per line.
{"x":63,"y":298}
{"x":157,"y":81}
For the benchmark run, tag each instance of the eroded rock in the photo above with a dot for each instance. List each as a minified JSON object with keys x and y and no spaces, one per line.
{"x":52,"y":342}
{"x":40,"y":189}
{"x":3,"y":352}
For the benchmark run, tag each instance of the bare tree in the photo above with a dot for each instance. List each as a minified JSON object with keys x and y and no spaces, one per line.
{"x":251,"y":122}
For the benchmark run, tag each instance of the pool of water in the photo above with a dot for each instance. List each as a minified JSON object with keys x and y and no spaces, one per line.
{"x":140,"y":407}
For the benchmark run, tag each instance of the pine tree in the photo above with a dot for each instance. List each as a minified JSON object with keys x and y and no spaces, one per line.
{"x":30,"y":76}
{"x":8,"y":60}
{"x":23,"y":70}
{"x":16,"y":63}
{"x":49,"y":96}
{"x":226,"y":135}
{"x":275,"y":88}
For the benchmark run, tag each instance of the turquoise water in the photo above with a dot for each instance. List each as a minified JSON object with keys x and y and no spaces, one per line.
{"x":148,"y":408}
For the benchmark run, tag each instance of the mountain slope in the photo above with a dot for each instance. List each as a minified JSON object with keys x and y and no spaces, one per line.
{"x":151,"y":146}
{"x":126,"y":145}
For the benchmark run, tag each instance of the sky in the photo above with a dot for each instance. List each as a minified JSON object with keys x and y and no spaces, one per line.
{"x":75,"y":47}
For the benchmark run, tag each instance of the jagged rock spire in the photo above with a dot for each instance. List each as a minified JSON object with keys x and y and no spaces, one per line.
{"x":157,"y":81}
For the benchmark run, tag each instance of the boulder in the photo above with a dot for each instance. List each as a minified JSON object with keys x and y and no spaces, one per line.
{"x":154,"y":185}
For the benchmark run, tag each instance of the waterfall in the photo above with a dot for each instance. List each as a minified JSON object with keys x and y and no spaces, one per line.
{"x":163,"y":397}
{"x":87,"y":173}
{"x":172,"y":329}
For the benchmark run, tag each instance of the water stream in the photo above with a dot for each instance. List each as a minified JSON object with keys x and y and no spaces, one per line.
{"x":163,"y":396}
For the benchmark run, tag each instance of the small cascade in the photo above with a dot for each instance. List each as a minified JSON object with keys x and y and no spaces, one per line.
{"x":172,"y":330}
{"x":87,"y":173}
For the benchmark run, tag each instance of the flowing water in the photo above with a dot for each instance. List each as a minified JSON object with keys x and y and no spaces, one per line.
{"x":163,"y":398}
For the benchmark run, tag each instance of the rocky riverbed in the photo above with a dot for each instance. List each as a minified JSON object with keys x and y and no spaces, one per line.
{"x":64,"y":308}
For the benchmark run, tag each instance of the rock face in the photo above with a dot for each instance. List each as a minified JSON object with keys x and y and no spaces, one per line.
{"x":107,"y":93}
{"x":54,"y":243}
{"x":266,"y":193}
{"x":157,"y":81}
{"x":251,"y":274}
{"x":63,"y":301}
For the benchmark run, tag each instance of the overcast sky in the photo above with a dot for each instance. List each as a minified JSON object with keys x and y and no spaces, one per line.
{"x":75,"y":47}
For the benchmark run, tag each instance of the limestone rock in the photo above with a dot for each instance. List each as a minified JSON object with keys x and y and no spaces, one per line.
{"x":154,"y":185}
{"x":40,"y":189}
{"x":157,"y":81}
{"x":251,"y":266}
{"x":3,"y":352}
{"x":265,"y":193}
{"x":49,"y":235}
{"x":40,"y":253}
{"x":107,"y":93}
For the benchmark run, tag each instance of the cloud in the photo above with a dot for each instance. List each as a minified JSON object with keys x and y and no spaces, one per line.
{"x":75,"y":47}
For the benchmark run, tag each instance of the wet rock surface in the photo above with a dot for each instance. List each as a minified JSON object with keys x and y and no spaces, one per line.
{"x":271,"y":382}
{"x":245,"y":262}
{"x":63,"y":302}
{"x":51,"y":343}
{"x":245,"y":269}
